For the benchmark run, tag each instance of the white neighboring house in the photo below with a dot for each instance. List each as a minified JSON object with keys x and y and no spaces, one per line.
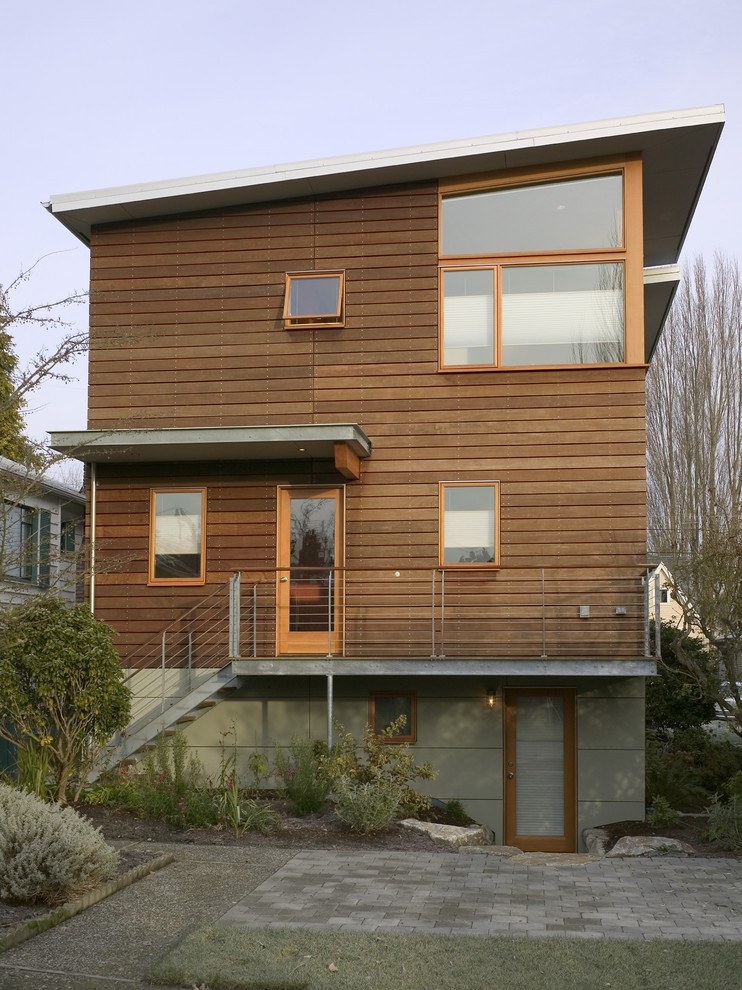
{"x":41,"y":532}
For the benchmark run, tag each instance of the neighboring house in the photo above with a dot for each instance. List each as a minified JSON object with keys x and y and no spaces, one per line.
{"x":41,"y":530}
{"x":661,"y":584}
{"x":403,"y":395}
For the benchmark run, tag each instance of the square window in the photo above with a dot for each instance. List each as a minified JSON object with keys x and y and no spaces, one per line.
{"x":177,"y":533}
{"x":314,"y":299}
{"x":469,"y":524}
{"x":383,"y":711}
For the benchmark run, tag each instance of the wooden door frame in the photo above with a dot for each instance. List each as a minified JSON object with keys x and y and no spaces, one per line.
{"x":540,"y":843}
{"x":310,"y":643}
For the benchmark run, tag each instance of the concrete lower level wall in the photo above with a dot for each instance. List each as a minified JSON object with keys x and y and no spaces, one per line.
{"x":456,"y":731}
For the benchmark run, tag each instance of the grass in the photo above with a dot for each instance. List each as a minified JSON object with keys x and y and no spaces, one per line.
{"x":225,"y":958}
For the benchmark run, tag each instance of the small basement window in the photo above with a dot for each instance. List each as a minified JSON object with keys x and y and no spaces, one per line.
{"x":314,"y":299}
{"x":385,"y":709}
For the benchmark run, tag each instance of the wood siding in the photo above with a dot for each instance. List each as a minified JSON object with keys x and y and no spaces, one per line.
{"x":187,"y":330}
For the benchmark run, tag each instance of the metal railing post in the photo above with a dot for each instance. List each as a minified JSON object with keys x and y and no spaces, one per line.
{"x":329,"y":613}
{"x":163,"y":664}
{"x":254,"y":620}
{"x":329,"y":710}
{"x":544,"y":654}
{"x":442,"y":653}
{"x":234,"y":616}
{"x":432,"y":618}
{"x":645,"y":597}
{"x":657,"y":618}
{"x":190,"y":658}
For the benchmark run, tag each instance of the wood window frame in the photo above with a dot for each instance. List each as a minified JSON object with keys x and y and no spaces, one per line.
{"x":630,"y":255}
{"x":474,"y":565}
{"x":309,"y":321}
{"x":410,"y":735}
{"x":184,"y":582}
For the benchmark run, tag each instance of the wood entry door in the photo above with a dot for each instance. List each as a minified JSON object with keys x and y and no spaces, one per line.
{"x":539,"y":770}
{"x":310,"y":551}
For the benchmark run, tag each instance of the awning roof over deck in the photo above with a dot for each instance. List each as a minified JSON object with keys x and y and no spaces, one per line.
{"x":345,"y":443}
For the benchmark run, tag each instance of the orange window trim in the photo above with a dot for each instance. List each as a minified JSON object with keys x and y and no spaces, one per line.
{"x":410,"y":735}
{"x":153,"y":581}
{"x":493,"y":565}
{"x":630,"y":253}
{"x":309,"y":321}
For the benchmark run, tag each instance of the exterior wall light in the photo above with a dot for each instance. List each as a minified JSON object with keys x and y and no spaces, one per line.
{"x":490,"y":699}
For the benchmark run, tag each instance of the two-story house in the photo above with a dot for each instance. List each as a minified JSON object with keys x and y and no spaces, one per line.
{"x":402,"y":394}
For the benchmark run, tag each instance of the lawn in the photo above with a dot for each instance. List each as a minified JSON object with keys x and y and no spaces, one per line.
{"x":219,"y":957}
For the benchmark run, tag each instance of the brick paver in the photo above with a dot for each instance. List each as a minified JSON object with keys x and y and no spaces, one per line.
{"x":488,"y":894}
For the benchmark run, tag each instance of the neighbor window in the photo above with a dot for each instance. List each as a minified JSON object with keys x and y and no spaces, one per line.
{"x":68,"y":536}
{"x":532,"y":273}
{"x":177,"y":536}
{"x":469,"y":523}
{"x":314,"y":299}
{"x":26,"y":544}
{"x":384,"y":711}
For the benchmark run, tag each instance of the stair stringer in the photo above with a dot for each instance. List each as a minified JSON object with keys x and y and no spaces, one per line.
{"x":126,"y":745}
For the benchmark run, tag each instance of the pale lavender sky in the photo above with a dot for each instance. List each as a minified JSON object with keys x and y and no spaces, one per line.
{"x":99,"y":94}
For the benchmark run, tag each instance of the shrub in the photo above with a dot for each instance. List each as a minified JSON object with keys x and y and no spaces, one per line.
{"x":305,"y":775}
{"x":61,"y":684}
{"x":725,"y":823}
{"x":382,"y":761}
{"x":367,"y":808}
{"x":683,"y":693}
{"x":662,"y":813}
{"x":48,"y":853}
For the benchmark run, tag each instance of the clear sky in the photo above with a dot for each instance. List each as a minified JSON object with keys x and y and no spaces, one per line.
{"x":101,"y":94}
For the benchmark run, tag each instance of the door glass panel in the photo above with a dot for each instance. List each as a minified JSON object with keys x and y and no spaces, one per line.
{"x":539,"y":743}
{"x":312,"y":549}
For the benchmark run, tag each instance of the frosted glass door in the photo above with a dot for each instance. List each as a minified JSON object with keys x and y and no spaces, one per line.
{"x":539,"y":778}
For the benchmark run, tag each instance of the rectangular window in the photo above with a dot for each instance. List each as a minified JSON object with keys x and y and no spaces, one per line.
{"x":314,"y":299}
{"x":469,"y":524}
{"x":385,"y":709}
{"x":68,"y":536}
{"x":177,"y":533}
{"x":26,"y":544}
{"x":539,"y":272}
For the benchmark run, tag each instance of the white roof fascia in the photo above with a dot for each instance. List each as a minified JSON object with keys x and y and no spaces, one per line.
{"x":316,"y":168}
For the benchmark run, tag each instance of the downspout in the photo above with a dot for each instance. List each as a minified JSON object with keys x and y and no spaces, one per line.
{"x":92,"y":535}
{"x":329,"y":711}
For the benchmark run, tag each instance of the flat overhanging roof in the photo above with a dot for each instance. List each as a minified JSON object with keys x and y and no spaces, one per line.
{"x":676,"y":148}
{"x":212,"y":443}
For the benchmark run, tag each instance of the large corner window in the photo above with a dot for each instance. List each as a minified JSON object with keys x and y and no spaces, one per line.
{"x":469,"y":524}
{"x":533,"y":273}
{"x":177,"y":530}
{"x":393,"y":717}
{"x":26,"y":544}
{"x":314,"y":299}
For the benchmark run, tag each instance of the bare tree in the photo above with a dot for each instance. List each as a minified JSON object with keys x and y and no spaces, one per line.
{"x":694,"y":462}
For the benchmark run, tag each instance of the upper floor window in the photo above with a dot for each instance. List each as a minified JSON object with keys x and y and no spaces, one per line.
{"x":177,"y":552}
{"x":314,"y":299}
{"x":26,"y":543}
{"x":533,"y":273}
{"x":469,"y":524}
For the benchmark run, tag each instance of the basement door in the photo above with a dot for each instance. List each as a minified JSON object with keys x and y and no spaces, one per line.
{"x":310,"y":551}
{"x":539,"y":770}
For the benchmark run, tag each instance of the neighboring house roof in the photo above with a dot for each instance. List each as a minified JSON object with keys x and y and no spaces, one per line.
{"x":42,"y":483}
{"x":676,"y":148}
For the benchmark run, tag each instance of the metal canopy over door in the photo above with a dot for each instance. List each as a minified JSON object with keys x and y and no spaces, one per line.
{"x":540,"y":769}
{"x":310,"y":550}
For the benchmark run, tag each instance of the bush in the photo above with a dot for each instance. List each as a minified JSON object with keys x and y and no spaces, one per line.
{"x":61,"y":685}
{"x":682,"y":695}
{"x":367,"y":808}
{"x":383,"y":761}
{"x":662,"y":813}
{"x":48,"y":854}
{"x":305,"y":775}
{"x":725,"y":823}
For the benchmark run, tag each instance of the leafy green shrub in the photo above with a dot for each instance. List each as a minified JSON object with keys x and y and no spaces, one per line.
{"x":382,"y":761}
{"x":61,"y":685}
{"x":734,"y":785}
{"x":305,"y":775}
{"x":725,"y":823}
{"x":259,"y":768}
{"x":682,"y":695}
{"x":662,"y":813}
{"x":367,"y":808}
{"x":240,"y":814}
{"x":48,"y":854}
{"x":671,"y":775}
{"x":455,"y":810}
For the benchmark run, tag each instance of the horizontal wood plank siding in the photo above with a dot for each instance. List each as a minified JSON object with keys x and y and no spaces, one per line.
{"x":187,"y":330}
